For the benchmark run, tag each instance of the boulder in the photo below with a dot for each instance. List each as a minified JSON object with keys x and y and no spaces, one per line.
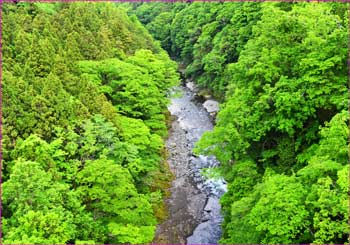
{"x":191,"y":86}
{"x":211,"y":106}
{"x":212,"y":203}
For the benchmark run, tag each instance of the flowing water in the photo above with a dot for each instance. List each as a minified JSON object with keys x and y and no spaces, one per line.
{"x":194,"y":209}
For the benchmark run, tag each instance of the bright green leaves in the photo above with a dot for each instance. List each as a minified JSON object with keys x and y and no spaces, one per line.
{"x":29,"y":187}
{"x":42,"y":209}
{"x":275,"y":64}
{"x":37,"y":227}
{"x":131,"y":233}
{"x":148,"y":145}
{"x":279,"y":213}
{"x":327,"y":174}
{"x":330,"y":202}
{"x":158,"y":66}
{"x":103,"y":171}
{"x":137,"y":86}
{"x":109,"y":192}
{"x":271,"y":212}
{"x":284,"y":110}
{"x":237,"y":202}
{"x":75,"y":169}
{"x":238,"y":229}
{"x":270,"y":96}
{"x":99,"y":138}
{"x":283,"y":68}
{"x":326,"y":158}
{"x":203,"y":36}
{"x":243,"y":177}
{"x":334,"y":138}
{"x":310,"y":206}
{"x":160,"y":28}
{"x":40,"y":59}
{"x":101,"y":181}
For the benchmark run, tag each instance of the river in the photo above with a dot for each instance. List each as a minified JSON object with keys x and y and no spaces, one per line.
{"x":194,"y":209}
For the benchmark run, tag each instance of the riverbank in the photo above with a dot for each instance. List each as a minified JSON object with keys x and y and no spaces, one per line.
{"x":194,"y":210}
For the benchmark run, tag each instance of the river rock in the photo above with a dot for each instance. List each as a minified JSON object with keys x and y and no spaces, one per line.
{"x":187,"y":202}
{"x":196,"y":204}
{"x":211,"y":106}
{"x":212,"y":202}
{"x":191,"y":86}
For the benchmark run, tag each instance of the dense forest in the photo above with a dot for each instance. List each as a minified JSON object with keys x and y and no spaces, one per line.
{"x":85,"y":93}
{"x":83,"y":151}
{"x":280,"y":71}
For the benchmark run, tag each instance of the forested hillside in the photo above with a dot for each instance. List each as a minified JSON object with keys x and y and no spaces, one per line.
{"x":84,"y":117}
{"x":85,"y":89}
{"x":281,"y":135}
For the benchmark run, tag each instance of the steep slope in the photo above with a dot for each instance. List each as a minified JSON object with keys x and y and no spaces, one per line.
{"x":84,"y":103}
{"x":281,"y":136}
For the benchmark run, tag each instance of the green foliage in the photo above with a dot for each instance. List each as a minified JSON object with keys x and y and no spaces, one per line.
{"x":204,"y":36}
{"x":312,"y":206}
{"x":147,"y":12}
{"x":42,"y":209}
{"x":161,"y":29}
{"x":124,"y":82}
{"x":279,"y":213}
{"x":282,"y":111}
{"x":76,"y":170}
{"x":273,"y":211}
{"x":84,"y":98}
{"x":270,"y":104}
{"x":148,"y":145}
{"x":238,"y":229}
{"x":55,"y":226}
{"x":280,"y":71}
{"x":108,"y":190}
{"x":329,"y":200}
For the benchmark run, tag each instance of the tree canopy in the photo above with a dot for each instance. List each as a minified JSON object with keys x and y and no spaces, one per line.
{"x":279,"y":71}
{"x":84,"y":105}
{"x":85,"y":95}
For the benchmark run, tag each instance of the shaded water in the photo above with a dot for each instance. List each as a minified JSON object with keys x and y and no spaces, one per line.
{"x":194,"y":209}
